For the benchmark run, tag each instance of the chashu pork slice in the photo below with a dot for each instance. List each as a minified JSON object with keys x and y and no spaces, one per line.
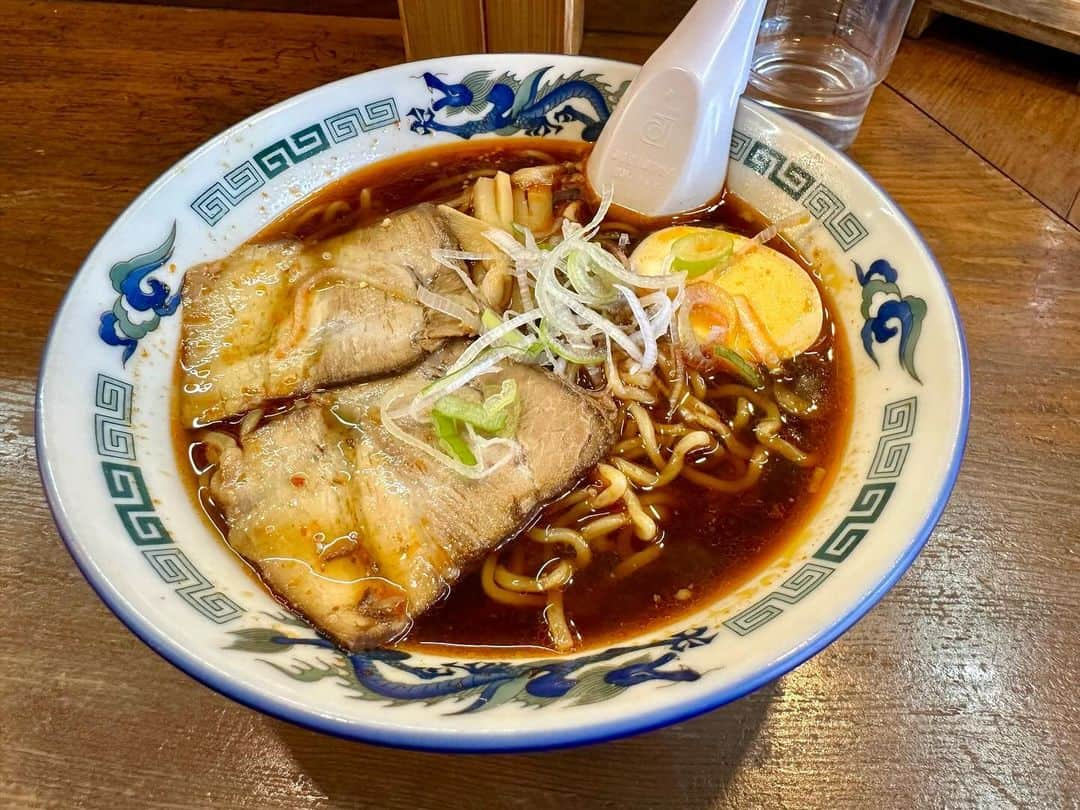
{"x":361,"y":532}
{"x":286,"y":318}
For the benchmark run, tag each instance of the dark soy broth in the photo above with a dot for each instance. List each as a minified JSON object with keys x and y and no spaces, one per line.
{"x":712,"y":543}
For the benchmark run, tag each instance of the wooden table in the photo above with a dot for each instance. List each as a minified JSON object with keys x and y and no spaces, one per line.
{"x":959,"y":689}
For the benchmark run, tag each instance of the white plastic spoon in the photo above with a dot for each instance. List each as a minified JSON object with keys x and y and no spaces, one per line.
{"x":665,"y":148}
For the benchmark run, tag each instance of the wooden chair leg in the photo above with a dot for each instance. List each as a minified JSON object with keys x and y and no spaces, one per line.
{"x":444,"y":27}
{"x":921,"y":17}
{"x":535,"y":26}
{"x":441,"y":27}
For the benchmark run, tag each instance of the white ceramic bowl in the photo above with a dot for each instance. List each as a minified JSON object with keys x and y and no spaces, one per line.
{"x":110,"y":476}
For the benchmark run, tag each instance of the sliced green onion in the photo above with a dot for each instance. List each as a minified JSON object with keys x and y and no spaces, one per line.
{"x":514,"y":339}
{"x":698,"y":253}
{"x":492,"y":337}
{"x":450,"y":439}
{"x":490,"y":416}
{"x":491,"y":320}
{"x":742,"y":369}
{"x":503,"y":400}
{"x":582,"y":357}
{"x":613,"y":267}
{"x":592,"y":290}
{"x":459,"y":408}
{"x":512,"y":405}
{"x":456,"y":378}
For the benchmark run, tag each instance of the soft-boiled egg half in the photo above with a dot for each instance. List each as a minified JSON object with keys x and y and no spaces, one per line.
{"x":782,"y":294}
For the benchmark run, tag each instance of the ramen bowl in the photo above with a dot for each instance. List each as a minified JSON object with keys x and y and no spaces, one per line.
{"x":110,"y":473}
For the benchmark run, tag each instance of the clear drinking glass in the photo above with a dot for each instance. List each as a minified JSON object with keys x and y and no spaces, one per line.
{"x":818,"y":61}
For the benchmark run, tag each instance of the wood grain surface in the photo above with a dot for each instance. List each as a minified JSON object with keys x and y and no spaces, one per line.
{"x":545,"y":26}
{"x":442,"y":27}
{"x":385,"y":9}
{"x":1014,"y":102}
{"x":1052,"y":22}
{"x":957,"y":690}
{"x":433,"y":28}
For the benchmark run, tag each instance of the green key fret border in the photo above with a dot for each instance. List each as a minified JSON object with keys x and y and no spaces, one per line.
{"x":124,"y":481}
{"x":215,"y":202}
{"x":800,"y":184}
{"x":897,"y":428}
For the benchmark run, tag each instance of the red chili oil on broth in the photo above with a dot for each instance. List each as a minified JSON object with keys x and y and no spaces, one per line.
{"x":712,"y":542}
{"x":436,"y":174}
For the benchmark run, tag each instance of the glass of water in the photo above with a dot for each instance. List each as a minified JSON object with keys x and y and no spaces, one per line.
{"x":818,"y":61}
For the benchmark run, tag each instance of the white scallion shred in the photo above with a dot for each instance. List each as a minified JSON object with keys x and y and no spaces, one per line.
{"x":447,"y":306}
{"x":608,"y":327}
{"x":613,"y":267}
{"x":521,"y":257}
{"x":771,"y":232}
{"x":505,"y":242}
{"x":444,"y":256}
{"x":649,"y":352}
{"x":492,"y":337}
{"x":579,"y":301}
{"x":474,"y":291}
{"x":662,"y":307}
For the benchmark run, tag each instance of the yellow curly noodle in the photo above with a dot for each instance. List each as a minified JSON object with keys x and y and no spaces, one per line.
{"x":622,"y":507}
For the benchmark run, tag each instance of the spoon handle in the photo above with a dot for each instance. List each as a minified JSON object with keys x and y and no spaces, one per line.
{"x":665,"y":148}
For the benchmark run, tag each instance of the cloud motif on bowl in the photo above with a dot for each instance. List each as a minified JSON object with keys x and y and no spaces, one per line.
{"x":884,"y":305}
{"x":117,"y":326}
{"x":517,"y":105}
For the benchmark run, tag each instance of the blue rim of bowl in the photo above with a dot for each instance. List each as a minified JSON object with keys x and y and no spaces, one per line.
{"x":449,"y":741}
